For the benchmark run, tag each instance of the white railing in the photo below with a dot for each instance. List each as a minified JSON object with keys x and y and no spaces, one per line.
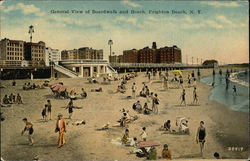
{"x":65,"y":71}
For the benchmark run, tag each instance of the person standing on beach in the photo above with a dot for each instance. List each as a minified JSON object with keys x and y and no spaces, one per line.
{"x":183,"y":97}
{"x":147,"y":93}
{"x":49,"y":106}
{"x":61,"y":128}
{"x":149,"y":76}
{"x":200,"y":136}
{"x":155,"y":103}
{"x":199,"y":74}
{"x":70,"y":107}
{"x":165,"y":82}
{"x":44,"y":112}
{"x":194,"y":83}
{"x":134,"y":90}
{"x":28,"y":127}
{"x":195,"y":96}
{"x":234,"y":91}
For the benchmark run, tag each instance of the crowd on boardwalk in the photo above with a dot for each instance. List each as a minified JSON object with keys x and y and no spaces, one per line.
{"x":142,"y":147}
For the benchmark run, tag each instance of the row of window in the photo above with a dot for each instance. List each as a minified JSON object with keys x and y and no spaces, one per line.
{"x":15,"y":49}
{"x":14,"y":58}
{"x":14,"y":44}
{"x":37,"y":59}
{"x":14,"y":53}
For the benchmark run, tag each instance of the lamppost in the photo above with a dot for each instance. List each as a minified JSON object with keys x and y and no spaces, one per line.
{"x":31,"y":30}
{"x":110,"y":43}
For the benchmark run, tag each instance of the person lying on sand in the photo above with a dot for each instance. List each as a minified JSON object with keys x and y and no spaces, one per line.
{"x":97,"y":90}
{"x":120,"y":89}
{"x":77,"y":123}
{"x":146,"y":110}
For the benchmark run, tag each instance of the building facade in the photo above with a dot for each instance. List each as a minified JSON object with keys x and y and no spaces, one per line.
{"x":11,"y":52}
{"x":153,"y":55}
{"x":35,"y":52}
{"x":130,"y":56}
{"x":84,"y":53}
{"x":52,"y":55}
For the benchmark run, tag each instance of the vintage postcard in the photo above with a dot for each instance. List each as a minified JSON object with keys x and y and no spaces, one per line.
{"x":124,"y":80}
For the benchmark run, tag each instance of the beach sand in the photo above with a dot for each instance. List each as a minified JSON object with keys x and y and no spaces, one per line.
{"x":225,"y":128}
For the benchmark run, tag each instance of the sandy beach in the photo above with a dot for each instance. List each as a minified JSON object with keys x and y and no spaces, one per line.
{"x":225,"y":128}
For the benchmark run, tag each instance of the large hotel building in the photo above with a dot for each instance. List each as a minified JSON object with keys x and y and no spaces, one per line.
{"x":21,"y":53}
{"x":151,"y":55}
{"x":84,"y":53}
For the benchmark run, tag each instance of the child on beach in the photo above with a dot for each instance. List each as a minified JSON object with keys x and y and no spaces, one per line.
{"x":200,"y":136}
{"x":44,"y":115}
{"x":125,"y":137}
{"x":49,"y":106}
{"x":70,"y":107}
{"x":28,"y":127}
{"x":183,"y":95}
{"x":166,"y":153}
{"x":144,"y":134}
{"x":195,"y":96}
{"x":234,"y":90}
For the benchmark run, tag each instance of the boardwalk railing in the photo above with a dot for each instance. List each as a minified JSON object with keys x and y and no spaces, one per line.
{"x":151,"y":65}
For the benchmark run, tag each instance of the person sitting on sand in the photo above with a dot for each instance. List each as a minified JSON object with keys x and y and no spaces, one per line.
{"x":46,"y":83}
{"x":97,"y":90}
{"x":167,"y":125}
{"x":146,"y":110}
{"x":121,"y":89}
{"x":29,"y":86}
{"x":25,"y":86}
{"x":19,"y":99}
{"x":166,"y":153}
{"x":123,"y":120}
{"x":137,"y":106}
{"x":125,"y":137}
{"x":12,"y":98}
{"x":83,"y":94}
{"x":144,"y":134}
{"x":152,"y":154}
{"x":6,"y":99}
{"x":77,"y":123}
{"x":183,"y":125}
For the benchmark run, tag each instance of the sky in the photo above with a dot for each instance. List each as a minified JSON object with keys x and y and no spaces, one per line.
{"x":215,"y":30}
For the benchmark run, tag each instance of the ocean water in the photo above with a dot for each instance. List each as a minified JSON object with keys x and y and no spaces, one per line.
{"x":238,"y":102}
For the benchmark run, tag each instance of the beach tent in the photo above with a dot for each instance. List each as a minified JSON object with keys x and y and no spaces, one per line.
{"x":57,"y":87}
{"x":144,"y":144}
{"x":177,"y":72}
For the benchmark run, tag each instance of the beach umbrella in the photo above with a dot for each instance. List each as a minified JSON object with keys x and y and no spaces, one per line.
{"x":62,"y":88}
{"x":144,"y":144}
{"x":57,"y":87}
{"x":53,"y":85}
{"x":177,"y":72}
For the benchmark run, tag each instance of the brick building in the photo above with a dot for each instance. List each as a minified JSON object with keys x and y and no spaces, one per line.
{"x":116,"y":59}
{"x":11,"y":52}
{"x":130,"y":56}
{"x":147,"y":55}
{"x":35,"y":52}
{"x":153,"y":55}
{"x":84,"y":53}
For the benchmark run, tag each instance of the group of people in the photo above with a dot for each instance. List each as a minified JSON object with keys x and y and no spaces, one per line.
{"x":11,"y":99}
{"x":28,"y":86}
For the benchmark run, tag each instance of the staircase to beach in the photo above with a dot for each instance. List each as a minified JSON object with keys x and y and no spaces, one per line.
{"x":65,"y":71}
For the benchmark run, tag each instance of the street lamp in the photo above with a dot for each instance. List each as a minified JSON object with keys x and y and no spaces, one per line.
{"x":31,"y":30}
{"x":110,"y":43}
